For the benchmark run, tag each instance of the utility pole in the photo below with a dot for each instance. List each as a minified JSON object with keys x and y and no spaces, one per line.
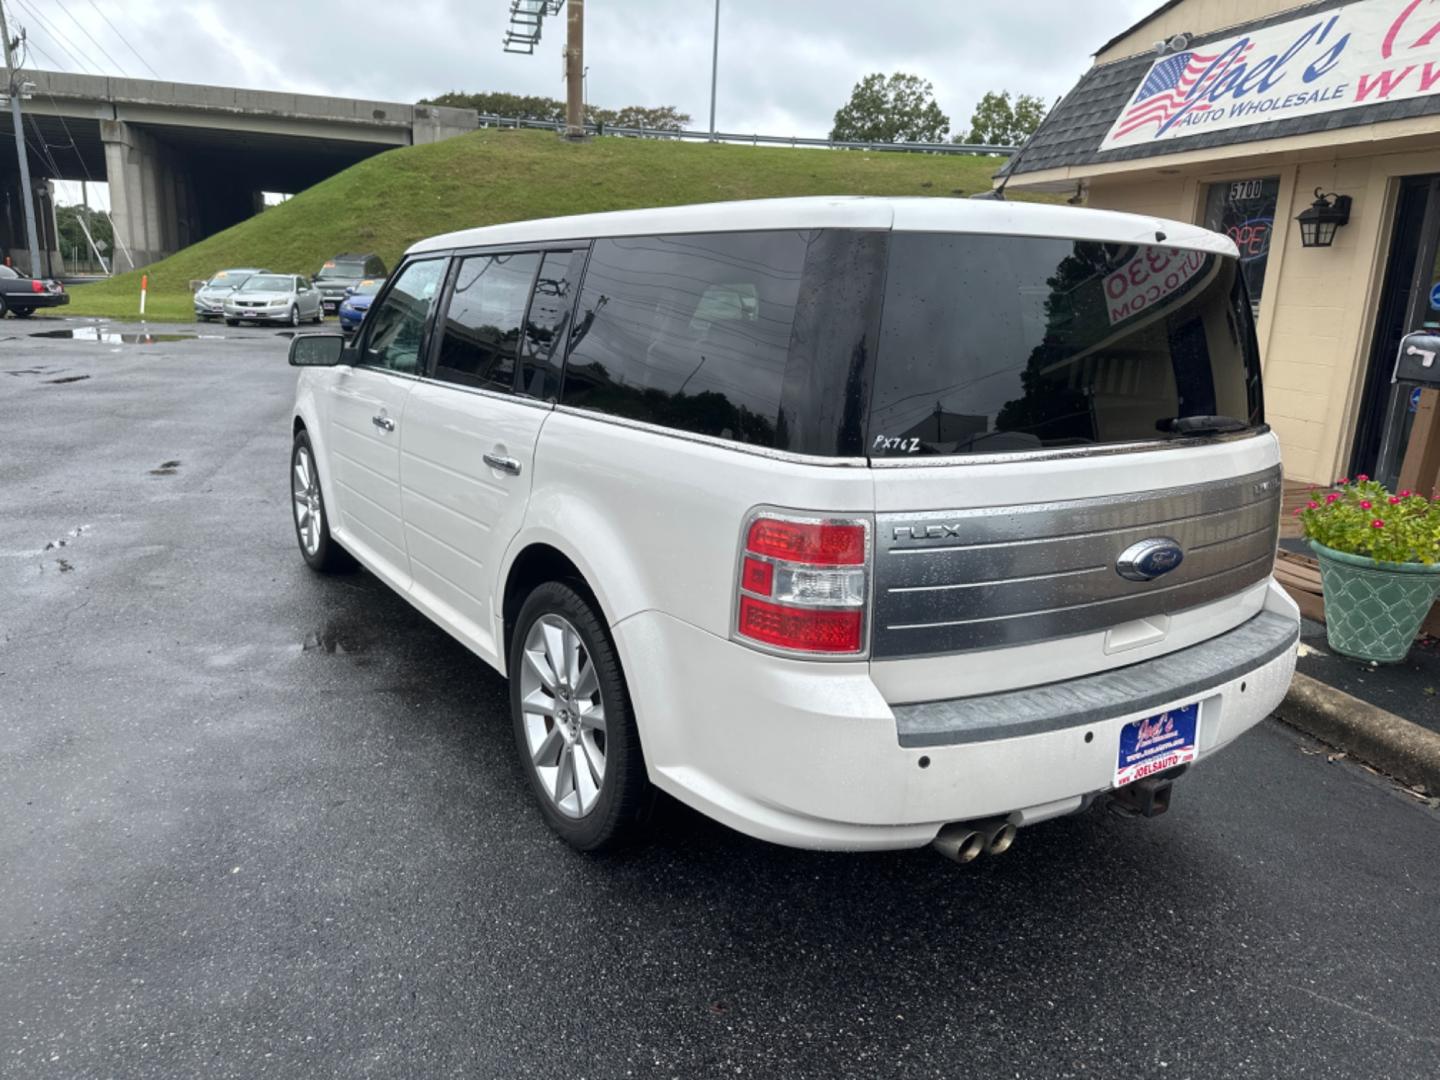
{"x":27,"y":194}
{"x":714,"y":67}
{"x":575,"y":70}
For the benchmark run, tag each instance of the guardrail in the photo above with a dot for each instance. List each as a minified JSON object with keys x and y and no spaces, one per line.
{"x":487,"y":120}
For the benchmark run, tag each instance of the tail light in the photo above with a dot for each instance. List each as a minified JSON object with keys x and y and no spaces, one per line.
{"x":804,"y":584}
{"x":36,"y":285}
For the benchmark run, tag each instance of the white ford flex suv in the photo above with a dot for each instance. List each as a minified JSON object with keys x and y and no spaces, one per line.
{"x":854,"y":523}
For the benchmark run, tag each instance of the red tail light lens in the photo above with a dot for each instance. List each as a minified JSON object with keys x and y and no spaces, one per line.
{"x":818,"y":543}
{"x":804,"y":584}
{"x":818,"y":630}
{"x":37,"y":285}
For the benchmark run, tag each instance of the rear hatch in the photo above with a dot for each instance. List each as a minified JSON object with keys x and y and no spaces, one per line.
{"x":1041,"y":408}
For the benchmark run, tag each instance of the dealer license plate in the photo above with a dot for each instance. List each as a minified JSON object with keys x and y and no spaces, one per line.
{"x":1157,"y":743}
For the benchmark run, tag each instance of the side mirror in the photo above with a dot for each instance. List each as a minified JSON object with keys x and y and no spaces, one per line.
{"x":316,"y":350}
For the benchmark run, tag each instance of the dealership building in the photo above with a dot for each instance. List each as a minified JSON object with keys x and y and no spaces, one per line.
{"x":1311,"y":135}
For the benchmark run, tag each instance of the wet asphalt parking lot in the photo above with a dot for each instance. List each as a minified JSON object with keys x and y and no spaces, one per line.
{"x":260,"y":823}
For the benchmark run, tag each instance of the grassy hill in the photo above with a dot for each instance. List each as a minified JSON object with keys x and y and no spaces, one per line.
{"x":387,"y":202}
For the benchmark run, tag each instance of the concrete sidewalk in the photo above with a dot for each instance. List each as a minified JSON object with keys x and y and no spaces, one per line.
{"x":1385,"y":715}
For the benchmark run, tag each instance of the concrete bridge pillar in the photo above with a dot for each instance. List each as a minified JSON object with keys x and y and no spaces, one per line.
{"x":147,"y":195}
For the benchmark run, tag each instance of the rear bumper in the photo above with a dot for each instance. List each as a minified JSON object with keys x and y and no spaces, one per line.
{"x":810,"y":754}
{"x":37,"y":300}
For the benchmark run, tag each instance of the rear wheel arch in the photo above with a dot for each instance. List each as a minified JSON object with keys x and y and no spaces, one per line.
{"x":537,"y":563}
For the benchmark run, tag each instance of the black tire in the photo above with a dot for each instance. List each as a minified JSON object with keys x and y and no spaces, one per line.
{"x":621,"y":813}
{"x":326,"y":556}
{"x":319,"y":317}
{"x":232,"y":322}
{"x":23,"y":312}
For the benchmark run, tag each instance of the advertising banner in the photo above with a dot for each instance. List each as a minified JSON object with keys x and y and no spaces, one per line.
{"x":1366,"y":53}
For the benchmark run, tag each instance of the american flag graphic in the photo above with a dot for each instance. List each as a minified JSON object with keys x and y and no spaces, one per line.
{"x":1170,"y":89}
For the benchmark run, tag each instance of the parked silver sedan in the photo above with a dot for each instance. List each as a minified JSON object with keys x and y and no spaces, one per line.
{"x":274,"y":298}
{"x":210,"y":297}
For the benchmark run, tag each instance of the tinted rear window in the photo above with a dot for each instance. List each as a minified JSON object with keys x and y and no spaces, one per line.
{"x":760,"y":338}
{"x":1001,"y":343}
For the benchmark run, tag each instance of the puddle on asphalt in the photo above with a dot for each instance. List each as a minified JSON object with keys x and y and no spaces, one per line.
{"x":338,"y":639}
{"x":114,"y":337}
{"x":165,"y":468}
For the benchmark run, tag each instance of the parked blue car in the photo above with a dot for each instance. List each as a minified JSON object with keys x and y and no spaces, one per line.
{"x":357,"y":302}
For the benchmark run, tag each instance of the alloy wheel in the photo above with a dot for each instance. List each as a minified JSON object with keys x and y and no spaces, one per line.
{"x":564,"y":715}
{"x":305,"y":491}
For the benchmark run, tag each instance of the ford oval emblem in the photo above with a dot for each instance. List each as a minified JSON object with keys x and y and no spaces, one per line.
{"x":1150,"y":558}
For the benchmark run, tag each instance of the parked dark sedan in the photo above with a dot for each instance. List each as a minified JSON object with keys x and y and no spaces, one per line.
{"x":23,"y":295}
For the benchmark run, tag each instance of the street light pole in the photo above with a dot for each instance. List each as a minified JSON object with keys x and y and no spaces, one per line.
{"x":27,"y":194}
{"x":714,"y":67}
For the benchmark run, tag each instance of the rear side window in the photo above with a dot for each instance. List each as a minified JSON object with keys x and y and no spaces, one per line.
{"x":543,"y":344}
{"x":483,"y":323}
{"x":1006,"y":343}
{"x":760,"y":338}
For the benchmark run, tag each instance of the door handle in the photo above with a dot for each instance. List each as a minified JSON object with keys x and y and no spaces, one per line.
{"x":384,"y":423}
{"x":504,"y":464}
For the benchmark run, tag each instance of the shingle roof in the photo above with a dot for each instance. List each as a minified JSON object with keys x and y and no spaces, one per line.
{"x":1072,"y":133}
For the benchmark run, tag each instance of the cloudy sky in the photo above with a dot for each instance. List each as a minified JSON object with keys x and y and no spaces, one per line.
{"x":785,"y":67}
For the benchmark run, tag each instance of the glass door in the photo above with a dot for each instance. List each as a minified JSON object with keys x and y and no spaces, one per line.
{"x":1410,"y":300}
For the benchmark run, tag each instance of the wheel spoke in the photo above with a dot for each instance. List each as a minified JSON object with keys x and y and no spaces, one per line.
{"x":539,"y":702}
{"x":574,"y":651}
{"x":587,"y":784}
{"x":540,"y":664}
{"x":551,"y":748}
{"x":594,"y":757}
{"x":588,"y":683}
{"x":592,"y":716}
{"x":565,"y":776}
{"x":555,"y":649}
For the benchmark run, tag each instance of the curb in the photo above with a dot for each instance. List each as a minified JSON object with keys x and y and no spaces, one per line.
{"x":1405,"y":750}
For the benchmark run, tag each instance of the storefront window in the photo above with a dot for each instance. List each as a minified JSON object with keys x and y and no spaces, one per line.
{"x":1244,"y":210}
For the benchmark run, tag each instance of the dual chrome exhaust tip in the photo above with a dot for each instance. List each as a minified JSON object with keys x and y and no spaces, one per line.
{"x":965,"y":841}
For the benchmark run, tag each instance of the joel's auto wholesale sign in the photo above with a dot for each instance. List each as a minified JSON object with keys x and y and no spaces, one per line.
{"x":1365,"y":53}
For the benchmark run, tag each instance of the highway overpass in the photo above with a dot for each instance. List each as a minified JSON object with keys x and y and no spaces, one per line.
{"x":184,"y":161}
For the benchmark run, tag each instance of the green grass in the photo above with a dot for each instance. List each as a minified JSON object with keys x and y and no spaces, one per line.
{"x":387,"y":202}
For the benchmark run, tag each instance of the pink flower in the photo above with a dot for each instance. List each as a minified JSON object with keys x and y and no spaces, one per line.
{"x":1406,"y":493}
{"x":1298,"y":511}
{"x":1312,"y":505}
{"x":1394,"y":499}
{"x":1364,"y":504}
{"x":1343,"y":481}
{"x":1377,"y":524}
{"x":1361,"y":477}
{"x":1331,"y":497}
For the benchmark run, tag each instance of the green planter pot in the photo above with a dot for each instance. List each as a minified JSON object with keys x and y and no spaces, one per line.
{"x":1373,"y":609}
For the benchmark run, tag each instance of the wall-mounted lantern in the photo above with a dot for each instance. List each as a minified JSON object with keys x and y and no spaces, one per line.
{"x":1318,"y":224}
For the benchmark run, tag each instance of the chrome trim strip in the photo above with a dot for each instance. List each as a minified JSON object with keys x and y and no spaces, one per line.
{"x":995,"y":577}
{"x":495,"y":395}
{"x":1062,"y":452}
{"x":711,"y":440}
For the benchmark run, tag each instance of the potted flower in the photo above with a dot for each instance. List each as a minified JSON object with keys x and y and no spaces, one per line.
{"x":1379,"y":565}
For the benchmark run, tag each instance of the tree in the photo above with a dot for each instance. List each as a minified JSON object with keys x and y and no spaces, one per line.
{"x":72,"y":236}
{"x":529,"y":107}
{"x":898,"y":109}
{"x":998,"y":122}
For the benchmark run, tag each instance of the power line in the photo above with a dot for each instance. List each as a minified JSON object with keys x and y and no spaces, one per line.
{"x":103,"y":51}
{"x":122,"y":37}
{"x":56,"y":38}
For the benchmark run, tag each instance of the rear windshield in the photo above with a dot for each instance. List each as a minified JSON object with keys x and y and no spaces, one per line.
{"x":992,"y":344}
{"x":341,"y":268}
{"x":369,"y":287}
